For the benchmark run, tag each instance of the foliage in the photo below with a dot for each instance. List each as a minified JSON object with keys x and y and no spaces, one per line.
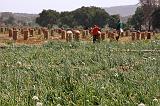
{"x":84,"y":16}
{"x":7,"y":18}
{"x":113,"y":20}
{"x":48,"y":17}
{"x":137,"y":19}
{"x":66,"y":18}
{"x":10,"y":20}
{"x":156,"y":18}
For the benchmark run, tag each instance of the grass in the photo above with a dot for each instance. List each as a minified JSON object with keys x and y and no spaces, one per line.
{"x":80,"y":74}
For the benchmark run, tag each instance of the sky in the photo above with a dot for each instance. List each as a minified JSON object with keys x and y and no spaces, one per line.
{"x":36,"y":6}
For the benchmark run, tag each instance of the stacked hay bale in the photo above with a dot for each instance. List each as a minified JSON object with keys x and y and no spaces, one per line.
{"x":59,"y":30}
{"x":138,"y":34}
{"x":6,"y":29}
{"x":52,"y":32}
{"x":107,"y":33}
{"x":143,"y":35}
{"x":69,"y":36}
{"x":26,"y":34}
{"x":83,"y":34}
{"x":14,"y":28}
{"x":39,"y":31}
{"x":10,"y":32}
{"x":63,"y":34}
{"x":87,"y":32}
{"x":113,"y":35}
{"x":46,"y":34}
{"x":103,"y":36}
{"x":77,"y":35}
{"x":2,"y":30}
{"x":22,"y":31}
{"x":15,"y":34}
{"x":149,"y":35}
{"x":133,"y":36}
{"x":122,"y":34}
{"x":31,"y":32}
{"x":128,"y":33}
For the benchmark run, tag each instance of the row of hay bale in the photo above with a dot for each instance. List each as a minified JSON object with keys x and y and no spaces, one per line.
{"x":3,"y":30}
{"x":72,"y":34}
{"x":28,"y":32}
{"x":134,"y":35}
{"x":25,"y":32}
{"x":142,"y":35}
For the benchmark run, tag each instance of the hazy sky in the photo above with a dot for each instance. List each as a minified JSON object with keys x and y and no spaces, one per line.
{"x":36,"y":6}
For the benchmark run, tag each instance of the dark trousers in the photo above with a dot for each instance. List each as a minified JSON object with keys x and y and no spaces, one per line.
{"x":96,"y":39}
{"x":119,"y":33}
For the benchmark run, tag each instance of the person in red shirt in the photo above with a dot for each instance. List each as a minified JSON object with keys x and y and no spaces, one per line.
{"x":95,"y":33}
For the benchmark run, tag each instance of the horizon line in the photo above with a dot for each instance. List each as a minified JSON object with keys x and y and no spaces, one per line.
{"x":66,"y":10}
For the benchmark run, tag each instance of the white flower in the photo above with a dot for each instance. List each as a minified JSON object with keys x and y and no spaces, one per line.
{"x":19,"y":63}
{"x":83,"y":63}
{"x":35,"y":98}
{"x":113,"y":69}
{"x":63,"y":49}
{"x":38,"y":104}
{"x":58,"y":105}
{"x":59,"y":98}
{"x":34,"y":87}
{"x":86,"y":75}
{"x":141,"y":104}
{"x":127,"y":102}
{"x":87,"y":100}
{"x":116,"y":75}
{"x":155,"y":100}
{"x":103,"y":88}
{"x":153,"y":58}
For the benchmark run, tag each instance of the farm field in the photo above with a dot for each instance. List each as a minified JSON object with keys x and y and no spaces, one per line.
{"x":81,"y":74}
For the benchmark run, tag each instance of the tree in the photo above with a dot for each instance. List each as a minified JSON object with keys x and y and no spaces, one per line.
{"x":10,"y":20}
{"x":89,"y":16}
{"x":113,"y":20}
{"x":84,"y":16}
{"x":7,"y":18}
{"x":137,"y":19}
{"x":48,"y":17}
{"x":156,"y":19}
{"x":66,"y":18}
{"x":148,"y":7}
{"x":101,"y":17}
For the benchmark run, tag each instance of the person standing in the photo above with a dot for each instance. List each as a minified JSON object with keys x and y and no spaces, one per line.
{"x":119,"y":29}
{"x":95,"y":33}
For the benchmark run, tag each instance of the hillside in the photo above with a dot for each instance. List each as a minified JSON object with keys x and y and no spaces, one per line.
{"x":122,"y":10}
{"x":19,"y":17}
{"x":25,"y":16}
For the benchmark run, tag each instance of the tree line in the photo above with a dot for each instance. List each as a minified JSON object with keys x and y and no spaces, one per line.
{"x":139,"y":19}
{"x":85,"y":17}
